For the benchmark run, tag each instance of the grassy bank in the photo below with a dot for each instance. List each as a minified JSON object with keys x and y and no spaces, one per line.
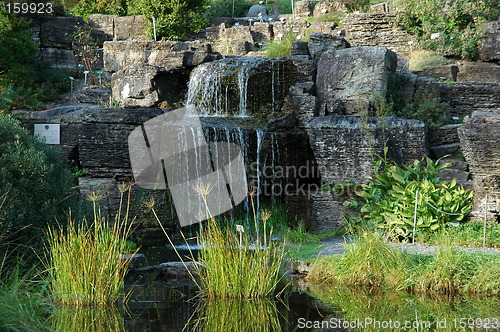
{"x":369,"y":261}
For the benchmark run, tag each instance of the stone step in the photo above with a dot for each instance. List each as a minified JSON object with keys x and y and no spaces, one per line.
{"x":451,"y":173}
{"x":453,"y":150}
{"x":457,"y":164}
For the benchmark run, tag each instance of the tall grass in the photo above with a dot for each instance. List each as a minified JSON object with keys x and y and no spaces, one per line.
{"x":421,"y":59}
{"x":229,"y":265}
{"x":369,"y":261}
{"x":24,"y":304}
{"x":87,"y":262}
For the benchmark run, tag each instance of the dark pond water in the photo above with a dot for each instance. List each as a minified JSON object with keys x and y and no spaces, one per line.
{"x":174,"y":305}
{"x":168,"y":306}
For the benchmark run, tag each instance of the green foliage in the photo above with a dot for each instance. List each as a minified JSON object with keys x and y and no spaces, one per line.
{"x":388,"y":200}
{"x":300,"y":235}
{"x":224,"y":8}
{"x":470,"y":234}
{"x":370,"y":261}
{"x":85,"y":8}
{"x":458,"y":23}
{"x":174,"y":18}
{"x":286,"y":6}
{"x":23,"y":81}
{"x":33,"y":178}
{"x":24,"y":305}
{"x":423,"y":107}
{"x":86,"y":263}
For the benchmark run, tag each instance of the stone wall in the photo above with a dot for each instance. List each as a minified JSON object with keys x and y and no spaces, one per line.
{"x":377,"y":29}
{"x":54,"y":36}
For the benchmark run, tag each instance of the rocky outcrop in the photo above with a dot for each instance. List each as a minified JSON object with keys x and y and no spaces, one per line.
{"x":143,"y":85}
{"x":303,"y":8}
{"x":479,"y":139}
{"x":302,"y":102}
{"x":377,"y":29}
{"x":354,"y":75}
{"x":489,"y":49}
{"x":320,"y":43}
{"x":345,"y":145}
{"x":329,"y":8}
{"x":168,"y":54}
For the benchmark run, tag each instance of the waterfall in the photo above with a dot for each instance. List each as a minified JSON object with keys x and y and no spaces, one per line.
{"x":238,"y":87}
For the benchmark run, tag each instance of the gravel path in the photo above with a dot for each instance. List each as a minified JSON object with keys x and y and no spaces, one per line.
{"x":336,"y":246}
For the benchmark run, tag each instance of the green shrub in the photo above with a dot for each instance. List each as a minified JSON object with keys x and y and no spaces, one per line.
{"x":388,"y":200}
{"x":224,"y":8}
{"x":33,"y":178}
{"x":459,"y":23}
{"x":23,"y":81}
{"x":85,"y":8}
{"x":174,"y":18}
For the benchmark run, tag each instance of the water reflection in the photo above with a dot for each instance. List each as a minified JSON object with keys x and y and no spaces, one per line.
{"x":97,"y":319}
{"x":378,"y":310}
{"x":237,"y":315}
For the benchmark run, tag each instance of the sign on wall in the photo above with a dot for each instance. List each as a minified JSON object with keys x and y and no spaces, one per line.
{"x":51,"y":132}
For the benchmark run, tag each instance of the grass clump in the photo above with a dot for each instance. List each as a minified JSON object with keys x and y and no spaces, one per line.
{"x":230,"y":267}
{"x":368,"y":261}
{"x":279,"y":48}
{"x":421,"y":59}
{"x":87,"y":262}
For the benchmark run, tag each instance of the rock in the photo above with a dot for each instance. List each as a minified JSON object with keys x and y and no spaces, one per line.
{"x":489,"y":49}
{"x":61,"y":59}
{"x":130,"y":28}
{"x":479,"y":138}
{"x":448,"y":72}
{"x":237,"y":40}
{"x":143,"y":85}
{"x":329,"y":8}
{"x":457,"y":164}
{"x":103,"y":27}
{"x":299,"y":47}
{"x":379,"y":8}
{"x":285,"y":122}
{"x":262,"y":32}
{"x":479,"y":72}
{"x":440,"y":151}
{"x":377,"y":29}
{"x":453,"y":174}
{"x":302,"y":102}
{"x":300,"y":267}
{"x":326,"y":214}
{"x":326,"y":27}
{"x":93,"y":96}
{"x":58,"y":31}
{"x":257,"y":11}
{"x":344,"y":145}
{"x":136,"y":260}
{"x":447,"y":134}
{"x":354,"y":75}
{"x":177,"y":269}
{"x":169,"y":54}
{"x":320,"y":43}
{"x":333,"y":106}
{"x":303,"y":8}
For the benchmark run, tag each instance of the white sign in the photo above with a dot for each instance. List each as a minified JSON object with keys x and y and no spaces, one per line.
{"x":51,"y":132}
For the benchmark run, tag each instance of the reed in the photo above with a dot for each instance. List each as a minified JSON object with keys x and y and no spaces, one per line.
{"x":87,"y":264}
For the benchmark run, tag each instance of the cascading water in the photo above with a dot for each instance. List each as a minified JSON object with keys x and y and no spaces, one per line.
{"x":238,"y":87}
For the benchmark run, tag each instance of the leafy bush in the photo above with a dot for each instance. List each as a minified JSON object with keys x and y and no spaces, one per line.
{"x":23,"y":81}
{"x":224,"y":8}
{"x":388,"y":200}
{"x":33,"y":178}
{"x":458,"y":23}
{"x":85,"y":8}
{"x":174,"y":18}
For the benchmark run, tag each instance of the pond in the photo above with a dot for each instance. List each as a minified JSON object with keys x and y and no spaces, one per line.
{"x":175,"y":306}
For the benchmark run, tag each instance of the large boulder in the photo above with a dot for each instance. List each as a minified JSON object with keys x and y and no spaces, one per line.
{"x":58,"y":31}
{"x":344,"y":146}
{"x":320,"y":43}
{"x":354,"y":75}
{"x":329,"y":8}
{"x":169,"y":54}
{"x":479,"y":139}
{"x":237,"y":40}
{"x":143,"y":85}
{"x":257,"y":11}
{"x":303,"y":8}
{"x":489,"y":50}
